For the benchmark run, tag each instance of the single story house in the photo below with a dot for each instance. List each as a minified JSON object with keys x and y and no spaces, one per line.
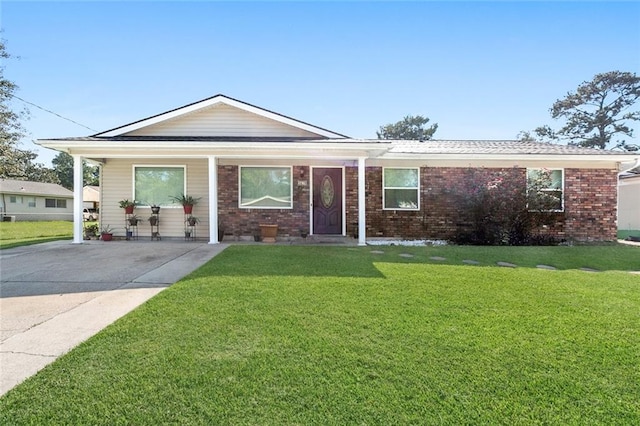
{"x":22,"y":200}
{"x":629,"y":202}
{"x":251,"y":166}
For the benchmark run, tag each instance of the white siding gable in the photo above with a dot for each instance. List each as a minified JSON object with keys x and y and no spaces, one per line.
{"x":222,"y":120}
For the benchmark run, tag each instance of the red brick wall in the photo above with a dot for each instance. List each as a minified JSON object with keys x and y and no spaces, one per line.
{"x":245,"y":222}
{"x":590,"y":206}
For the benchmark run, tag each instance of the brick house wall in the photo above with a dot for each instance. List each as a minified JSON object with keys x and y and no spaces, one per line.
{"x":246,"y":222}
{"x":589,"y":198}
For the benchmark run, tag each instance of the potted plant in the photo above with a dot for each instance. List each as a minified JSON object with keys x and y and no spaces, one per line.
{"x":269,"y":232}
{"x":106,"y":233}
{"x":192,"y":220}
{"x":91,"y":231}
{"x":155,"y":209}
{"x":133,"y":220}
{"x":127,"y":205}
{"x":303,"y":232}
{"x":187,"y":202}
{"x":153,"y":220}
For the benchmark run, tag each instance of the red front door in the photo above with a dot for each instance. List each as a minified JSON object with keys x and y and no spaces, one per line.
{"x":327,"y":201}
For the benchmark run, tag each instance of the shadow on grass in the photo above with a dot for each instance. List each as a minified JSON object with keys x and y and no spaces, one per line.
{"x":318,"y":261}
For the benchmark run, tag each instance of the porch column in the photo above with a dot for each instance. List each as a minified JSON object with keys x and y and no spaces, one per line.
{"x":362,"y":207}
{"x":213,"y":200}
{"x":77,"y":200}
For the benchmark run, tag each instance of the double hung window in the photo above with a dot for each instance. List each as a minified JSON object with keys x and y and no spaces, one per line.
{"x":401,"y":188}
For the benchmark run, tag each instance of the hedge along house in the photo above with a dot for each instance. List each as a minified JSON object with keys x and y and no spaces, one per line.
{"x":252,"y":166}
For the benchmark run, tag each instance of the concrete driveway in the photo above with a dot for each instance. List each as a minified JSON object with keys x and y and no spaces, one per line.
{"x":54,"y":296}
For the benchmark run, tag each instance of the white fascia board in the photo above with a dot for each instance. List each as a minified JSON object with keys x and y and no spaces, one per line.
{"x":195,"y":149}
{"x":213,"y":101}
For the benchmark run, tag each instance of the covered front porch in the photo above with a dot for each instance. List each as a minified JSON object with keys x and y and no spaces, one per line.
{"x":333,"y":188}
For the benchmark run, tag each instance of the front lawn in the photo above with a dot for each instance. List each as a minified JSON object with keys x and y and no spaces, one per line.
{"x":14,"y":234}
{"x":336,"y":335}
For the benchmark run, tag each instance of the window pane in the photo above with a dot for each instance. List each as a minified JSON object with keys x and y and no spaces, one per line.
{"x":265,"y":187}
{"x":400,"y":198}
{"x":156,"y":185}
{"x":49,"y":202}
{"x":61,"y":204}
{"x":545,"y":189}
{"x":401,"y":178}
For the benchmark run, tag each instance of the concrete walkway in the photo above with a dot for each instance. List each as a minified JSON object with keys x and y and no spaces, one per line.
{"x":56,"y":295}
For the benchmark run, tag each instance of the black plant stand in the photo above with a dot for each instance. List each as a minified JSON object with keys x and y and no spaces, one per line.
{"x":189,"y":228}
{"x":131,"y":229}
{"x":154,"y":221}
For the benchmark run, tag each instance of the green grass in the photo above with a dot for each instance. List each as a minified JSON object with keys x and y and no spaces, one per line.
{"x":622,"y":234}
{"x":14,"y":234}
{"x":335,"y":335}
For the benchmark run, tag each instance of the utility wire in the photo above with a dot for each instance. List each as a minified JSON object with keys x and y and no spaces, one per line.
{"x":51,"y":112}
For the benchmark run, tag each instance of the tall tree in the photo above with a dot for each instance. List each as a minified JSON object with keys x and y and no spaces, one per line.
{"x":16,"y":163}
{"x":409,"y":128}
{"x":63,"y":168}
{"x":597,"y":111}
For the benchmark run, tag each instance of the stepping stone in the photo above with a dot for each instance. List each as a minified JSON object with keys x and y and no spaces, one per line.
{"x":507,"y":265}
{"x":407,"y":255}
{"x":547,"y":267}
{"x":437,"y":258}
{"x":471,"y":262}
{"x":589,"y":270}
{"x":377,"y":252}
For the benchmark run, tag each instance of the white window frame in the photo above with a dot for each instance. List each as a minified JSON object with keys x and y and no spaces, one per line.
{"x":166,"y":166}
{"x":384,"y":189}
{"x":290,"y":207}
{"x":549,"y":189}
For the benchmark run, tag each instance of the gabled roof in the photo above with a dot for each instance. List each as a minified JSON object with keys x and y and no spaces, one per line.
{"x":9,"y":186}
{"x":218,"y":100}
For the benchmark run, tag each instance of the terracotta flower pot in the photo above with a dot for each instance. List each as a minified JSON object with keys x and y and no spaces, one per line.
{"x":269,"y":233}
{"x":188,"y":208}
{"x":129,"y":209}
{"x":107,"y":237}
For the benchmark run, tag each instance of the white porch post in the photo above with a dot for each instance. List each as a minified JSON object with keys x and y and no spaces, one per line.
{"x":362,"y":207}
{"x":77,"y":200}
{"x":213,"y":200}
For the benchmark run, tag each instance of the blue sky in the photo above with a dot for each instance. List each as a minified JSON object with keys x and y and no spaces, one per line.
{"x":481,"y":70}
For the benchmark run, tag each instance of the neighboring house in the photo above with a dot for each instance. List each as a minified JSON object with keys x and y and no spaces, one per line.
{"x":91,"y":197}
{"x":32,"y":201}
{"x":629,"y":202}
{"x":252,"y":166}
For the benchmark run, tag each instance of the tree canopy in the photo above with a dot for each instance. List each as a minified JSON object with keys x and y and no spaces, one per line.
{"x":63,"y":168}
{"x":409,"y":128}
{"x":16,"y":163}
{"x":597,"y":111}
